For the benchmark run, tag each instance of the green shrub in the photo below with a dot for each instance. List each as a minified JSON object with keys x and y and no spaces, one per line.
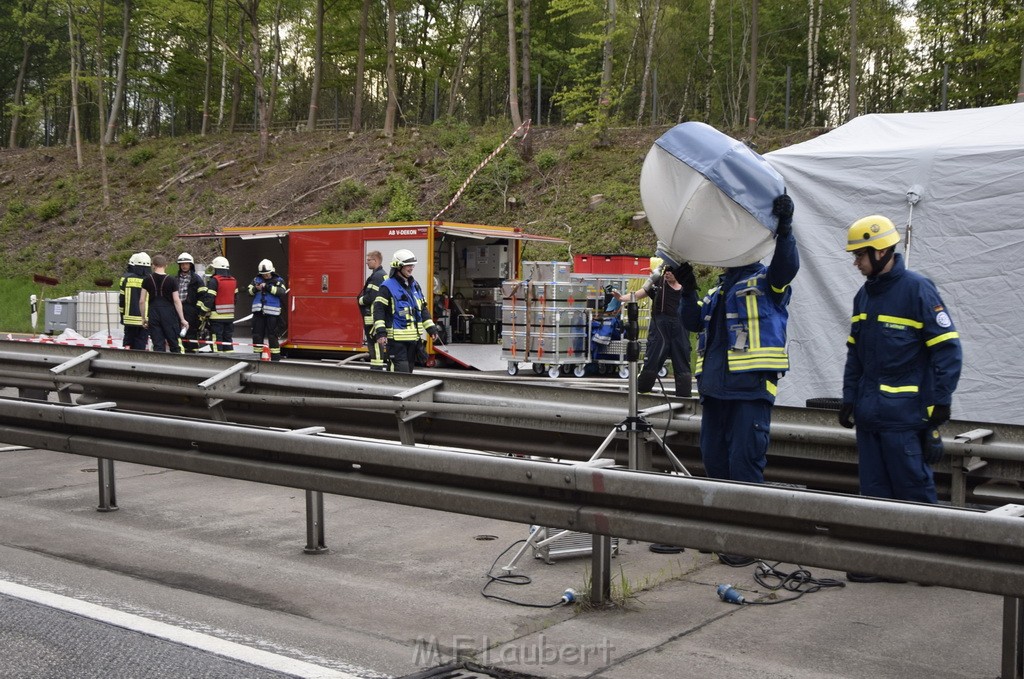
{"x":50,"y":208}
{"x":401,"y":200}
{"x":547,"y":159}
{"x":345,"y":196}
{"x":140,"y":156}
{"x":128,"y":139}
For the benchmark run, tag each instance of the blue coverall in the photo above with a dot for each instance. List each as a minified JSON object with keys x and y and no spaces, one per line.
{"x":740,"y":362}
{"x":903,"y":356}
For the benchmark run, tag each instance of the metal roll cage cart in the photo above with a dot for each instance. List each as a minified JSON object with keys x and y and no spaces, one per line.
{"x":633,"y":426}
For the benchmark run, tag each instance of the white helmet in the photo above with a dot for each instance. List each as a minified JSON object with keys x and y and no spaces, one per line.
{"x":402,"y":258}
{"x":140,"y":259}
{"x":266,"y":266}
{"x":185,"y":258}
{"x":220,"y":263}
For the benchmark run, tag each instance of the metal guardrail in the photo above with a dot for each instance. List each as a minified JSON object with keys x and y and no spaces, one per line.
{"x":954,"y":547}
{"x":984,"y":465}
{"x":950,"y":546}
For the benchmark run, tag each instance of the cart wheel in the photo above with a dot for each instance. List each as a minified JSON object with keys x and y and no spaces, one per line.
{"x":538,"y":368}
{"x":624,"y":372}
{"x":663,"y":371}
{"x":553,"y":371}
{"x":566,"y":369}
{"x":513,"y":368}
{"x":602,"y":369}
{"x":580,"y":370}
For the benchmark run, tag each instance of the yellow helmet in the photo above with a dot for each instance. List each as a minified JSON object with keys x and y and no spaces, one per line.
{"x":875,"y":232}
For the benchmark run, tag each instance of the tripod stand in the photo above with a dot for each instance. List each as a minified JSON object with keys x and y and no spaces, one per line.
{"x":633,"y":426}
{"x":636,"y":425}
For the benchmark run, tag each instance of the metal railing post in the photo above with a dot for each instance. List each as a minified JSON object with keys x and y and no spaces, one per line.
{"x":1013,"y":638}
{"x":315,"y":523}
{"x":601,"y":567}
{"x":107,"y":486}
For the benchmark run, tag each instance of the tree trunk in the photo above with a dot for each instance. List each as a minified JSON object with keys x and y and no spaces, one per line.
{"x":648,"y":54}
{"x":236,"y":77}
{"x":26,"y":51}
{"x":275,"y":67}
{"x":711,"y":63}
{"x":513,"y":67}
{"x":392,"y":78}
{"x":605,"y":97}
{"x":252,"y":11}
{"x":468,"y":40}
{"x":357,"y":105}
{"x":318,"y":60}
{"x":100,"y":105}
{"x":752,"y":85}
{"x":73,"y":48}
{"x":208,"y":80}
{"x":852,"y":113}
{"x":122,"y":73}
{"x":527,"y":80}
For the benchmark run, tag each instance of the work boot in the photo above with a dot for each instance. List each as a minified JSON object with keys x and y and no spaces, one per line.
{"x":645,"y":382}
{"x":684,"y":386}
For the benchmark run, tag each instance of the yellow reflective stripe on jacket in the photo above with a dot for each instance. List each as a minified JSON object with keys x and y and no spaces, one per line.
{"x":753,"y":319}
{"x":942,"y":338}
{"x":766,"y":358}
{"x":772,"y":388}
{"x":909,"y":389}
{"x":859,"y":317}
{"x":896,"y":320}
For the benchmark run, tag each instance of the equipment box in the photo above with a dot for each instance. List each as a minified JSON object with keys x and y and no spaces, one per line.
{"x":552,"y":317}
{"x":618,"y":264}
{"x":557,"y":272}
{"x":568,"y":294}
{"x":61,"y":314}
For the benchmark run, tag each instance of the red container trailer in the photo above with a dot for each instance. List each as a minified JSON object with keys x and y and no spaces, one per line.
{"x":324,"y":265}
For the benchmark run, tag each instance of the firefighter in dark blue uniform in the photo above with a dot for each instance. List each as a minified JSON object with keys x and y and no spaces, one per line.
{"x":371,"y":287}
{"x":741,"y":354}
{"x":902,"y":365}
{"x":401,"y":314}
{"x":268,"y":291}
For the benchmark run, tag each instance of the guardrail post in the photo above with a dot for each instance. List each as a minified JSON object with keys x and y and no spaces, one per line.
{"x":601,"y":568}
{"x":108,"y":489}
{"x":315,"y":523}
{"x":1013,"y":638}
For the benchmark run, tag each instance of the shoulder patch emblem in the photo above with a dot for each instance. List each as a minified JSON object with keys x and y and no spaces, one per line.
{"x":943,"y":319}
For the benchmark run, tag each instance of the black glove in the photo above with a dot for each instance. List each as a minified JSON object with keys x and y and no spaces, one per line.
{"x":931,"y":445}
{"x":782,"y":207}
{"x":684,"y":274}
{"x":433,"y":332}
{"x":846,"y":415}
{"x":940,"y":415}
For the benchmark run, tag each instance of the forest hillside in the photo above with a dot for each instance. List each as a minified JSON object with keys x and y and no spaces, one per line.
{"x":558,"y":181}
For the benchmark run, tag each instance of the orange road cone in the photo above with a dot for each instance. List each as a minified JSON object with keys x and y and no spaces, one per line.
{"x":265,"y":354}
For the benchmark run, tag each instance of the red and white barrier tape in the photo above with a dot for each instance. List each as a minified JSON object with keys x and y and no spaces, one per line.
{"x":526,"y":130}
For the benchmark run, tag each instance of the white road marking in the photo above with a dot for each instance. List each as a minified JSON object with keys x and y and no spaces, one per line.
{"x":161,"y":630}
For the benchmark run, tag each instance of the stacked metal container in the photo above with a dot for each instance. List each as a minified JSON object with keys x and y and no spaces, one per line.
{"x":545,"y":323}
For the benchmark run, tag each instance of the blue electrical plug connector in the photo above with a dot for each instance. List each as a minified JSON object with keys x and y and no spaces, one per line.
{"x":728,"y":594}
{"x":569,"y":596}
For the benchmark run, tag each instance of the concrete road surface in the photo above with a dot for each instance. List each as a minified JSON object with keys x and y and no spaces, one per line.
{"x":399,"y":592}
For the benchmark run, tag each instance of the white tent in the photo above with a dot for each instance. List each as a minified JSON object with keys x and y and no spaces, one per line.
{"x":965,"y":170}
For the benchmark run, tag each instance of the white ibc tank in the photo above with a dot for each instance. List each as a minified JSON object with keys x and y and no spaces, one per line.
{"x":709,"y":197}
